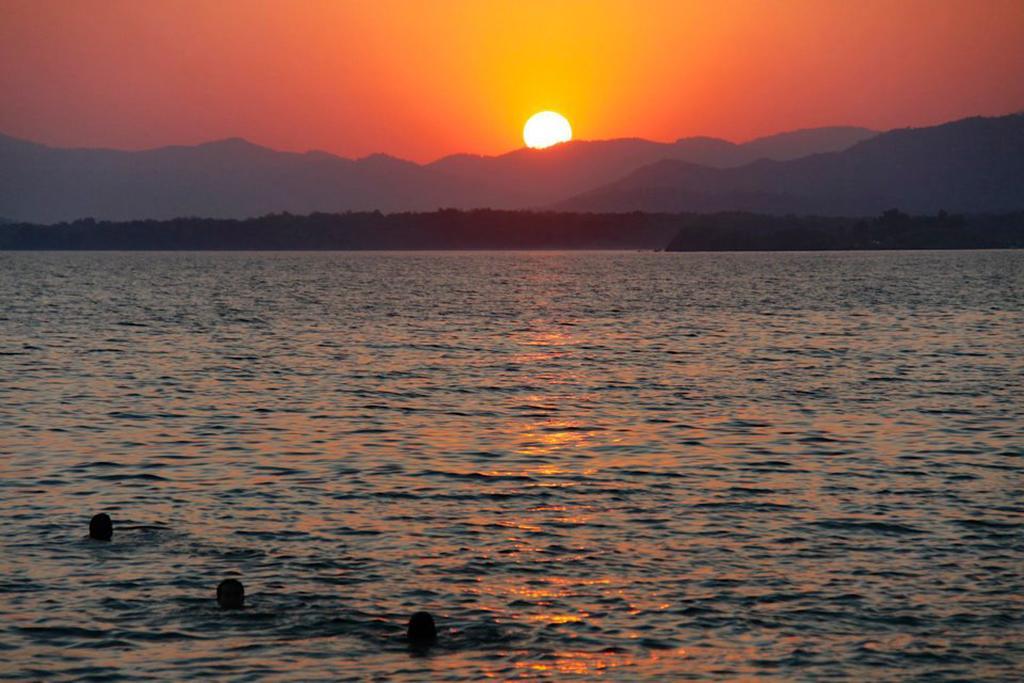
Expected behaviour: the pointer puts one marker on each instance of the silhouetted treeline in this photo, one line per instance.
(892, 230)
(486, 229)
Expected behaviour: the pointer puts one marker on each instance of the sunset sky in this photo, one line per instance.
(423, 79)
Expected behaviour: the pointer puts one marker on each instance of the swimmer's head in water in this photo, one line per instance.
(230, 594)
(100, 527)
(422, 630)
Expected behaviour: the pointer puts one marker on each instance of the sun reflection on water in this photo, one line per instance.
(583, 663)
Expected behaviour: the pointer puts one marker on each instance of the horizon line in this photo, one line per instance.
(248, 141)
(315, 150)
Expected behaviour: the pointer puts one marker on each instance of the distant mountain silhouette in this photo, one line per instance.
(236, 179)
(225, 179)
(971, 165)
(529, 178)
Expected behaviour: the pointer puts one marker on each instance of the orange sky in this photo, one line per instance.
(424, 78)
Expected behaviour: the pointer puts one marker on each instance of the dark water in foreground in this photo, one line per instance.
(630, 466)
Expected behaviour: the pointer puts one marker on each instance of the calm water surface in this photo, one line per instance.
(619, 465)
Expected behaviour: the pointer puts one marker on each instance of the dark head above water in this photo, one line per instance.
(422, 630)
(231, 594)
(100, 527)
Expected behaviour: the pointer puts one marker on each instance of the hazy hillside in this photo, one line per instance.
(972, 165)
(229, 178)
(236, 179)
(529, 178)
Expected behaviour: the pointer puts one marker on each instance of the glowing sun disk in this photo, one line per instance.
(546, 128)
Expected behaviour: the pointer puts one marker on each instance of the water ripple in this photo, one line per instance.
(628, 466)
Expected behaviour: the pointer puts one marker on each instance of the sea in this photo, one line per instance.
(586, 465)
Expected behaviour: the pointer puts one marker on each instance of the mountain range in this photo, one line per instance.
(237, 179)
(971, 165)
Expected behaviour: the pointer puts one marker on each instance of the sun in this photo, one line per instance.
(546, 128)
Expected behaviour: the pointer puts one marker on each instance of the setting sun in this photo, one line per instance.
(546, 128)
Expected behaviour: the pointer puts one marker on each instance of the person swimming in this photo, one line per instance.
(231, 594)
(100, 527)
(422, 630)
